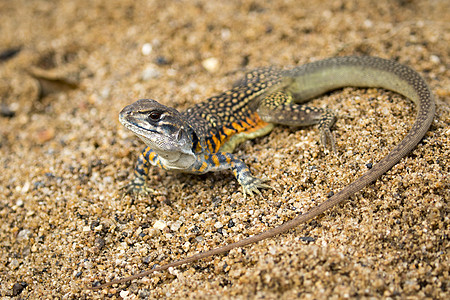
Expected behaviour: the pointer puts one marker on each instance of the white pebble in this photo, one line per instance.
(146, 49)
(435, 59)
(150, 72)
(368, 23)
(24, 234)
(26, 187)
(186, 246)
(14, 264)
(211, 64)
(124, 294)
(159, 225)
(176, 225)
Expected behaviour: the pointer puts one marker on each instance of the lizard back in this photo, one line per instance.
(232, 114)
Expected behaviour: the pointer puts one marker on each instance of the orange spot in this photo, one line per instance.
(250, 121)
(255, 122)
(237, 126)
(215, 160)
(152, 156)
(216, 142)
(228, 132)
(198, 148)
(203, 167)
(210, 147)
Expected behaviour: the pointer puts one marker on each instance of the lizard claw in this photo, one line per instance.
(253, 184)
(137, 187)
(325, 124)
(326, 135)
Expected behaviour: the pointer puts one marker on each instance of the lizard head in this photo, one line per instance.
(162, 128)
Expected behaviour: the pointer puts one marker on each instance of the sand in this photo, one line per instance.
(66, 70)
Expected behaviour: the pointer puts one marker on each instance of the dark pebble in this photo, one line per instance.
(18, 288)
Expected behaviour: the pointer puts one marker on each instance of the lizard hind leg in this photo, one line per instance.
(279, 108)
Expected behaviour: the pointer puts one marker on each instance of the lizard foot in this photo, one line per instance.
(137, 187)
(251, 185)
(326, 122)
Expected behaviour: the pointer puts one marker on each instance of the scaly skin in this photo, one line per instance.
(201, 139)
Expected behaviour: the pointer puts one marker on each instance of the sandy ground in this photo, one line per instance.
(68, 67)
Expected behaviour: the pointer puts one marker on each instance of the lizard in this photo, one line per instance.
(202, 138)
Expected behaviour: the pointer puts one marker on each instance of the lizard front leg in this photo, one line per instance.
(225, 160)
(138, 185)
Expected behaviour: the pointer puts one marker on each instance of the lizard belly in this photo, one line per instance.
(241, 137)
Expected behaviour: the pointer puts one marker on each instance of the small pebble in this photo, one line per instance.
(45, 135)
(435, 59)
(230, 223)
(161, 60)
(99, 243)
(18, 288)
(176, 225)
(186, 246)
(307, 239)
(368, 23)
(24, 234)
(124, 294)
(26, 187)
(147, 259)
(146, 49)
(211, 64)
(6, 111)
(159, 225)
(14, 264)
(150, 72)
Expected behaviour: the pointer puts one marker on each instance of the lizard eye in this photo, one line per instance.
(154, 116)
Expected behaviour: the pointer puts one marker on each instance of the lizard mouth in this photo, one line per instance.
(130, 123)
